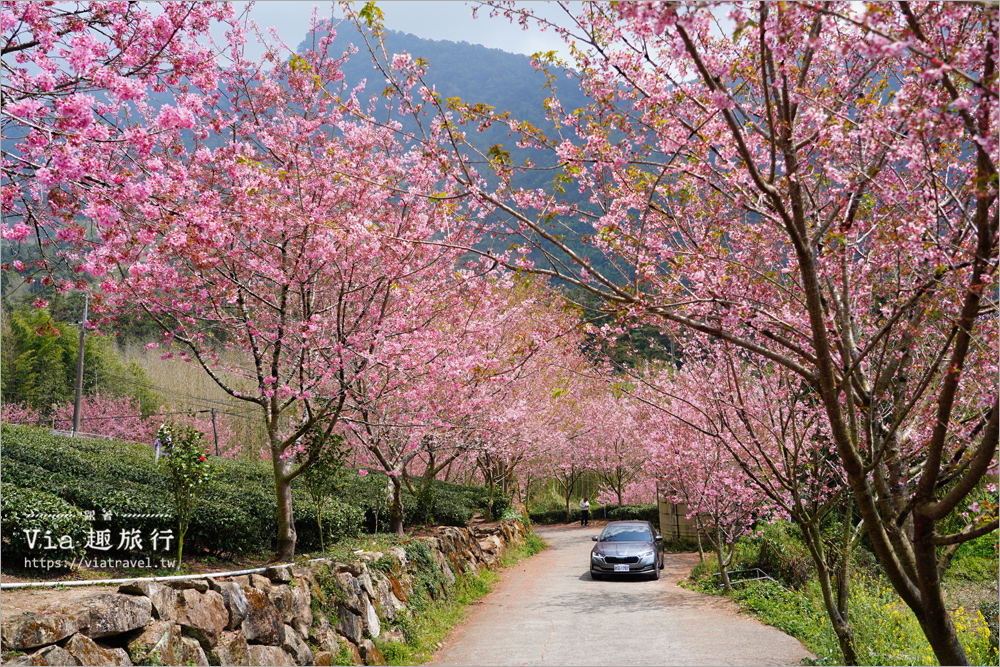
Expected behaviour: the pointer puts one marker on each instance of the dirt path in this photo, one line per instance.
(548, 611)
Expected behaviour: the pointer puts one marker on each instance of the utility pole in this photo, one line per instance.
(215, 433)
(79, 368)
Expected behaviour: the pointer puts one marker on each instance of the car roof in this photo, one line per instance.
(627, 523)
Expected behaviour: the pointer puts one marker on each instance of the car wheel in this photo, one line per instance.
(595, 576)
(656, 573)
(661, 562)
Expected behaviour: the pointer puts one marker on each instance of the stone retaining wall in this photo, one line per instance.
(304, 614)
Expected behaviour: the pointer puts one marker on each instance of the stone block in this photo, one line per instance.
(278, 575)
(366, 584)
(140, 647)
(372, 624)
(280, 596)
(32, 630)
(323, 658)
(176, 649)
(296, 646)
(87, 652)
(350, 625)
(262, 624)
(200, 585)
(202, 616)
(399, 553)
(115, 613)
(235, 601)
(50, 655)
(232, 649)
(370, 653)
(163, 598)
(269, 655)
(302, 616)
(324, 636)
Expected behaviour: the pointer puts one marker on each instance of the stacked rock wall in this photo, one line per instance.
(312, 613)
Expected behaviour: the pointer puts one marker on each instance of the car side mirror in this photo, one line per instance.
(594, 538)
(658, 538)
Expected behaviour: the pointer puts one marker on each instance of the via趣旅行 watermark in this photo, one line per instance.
(123, 539)
(149, 562)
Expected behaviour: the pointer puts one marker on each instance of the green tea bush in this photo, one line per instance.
(546, 517)
(236, 512)
(341, 520)
(25, 512)
(500, 505)
(450, 511)
(648, 513)
(976, 560)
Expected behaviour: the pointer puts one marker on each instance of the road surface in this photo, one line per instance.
(548, 611)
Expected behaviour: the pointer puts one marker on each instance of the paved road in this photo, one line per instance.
(548, 611)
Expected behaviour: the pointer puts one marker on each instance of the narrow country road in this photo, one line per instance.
(548, 611)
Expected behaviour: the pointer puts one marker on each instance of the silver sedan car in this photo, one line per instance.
(627, 547)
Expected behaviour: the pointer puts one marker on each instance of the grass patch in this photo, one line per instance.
(532, 545)
(976, 560)
(886, 631)
(434, 619)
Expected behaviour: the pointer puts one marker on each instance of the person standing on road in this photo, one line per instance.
(584, 512)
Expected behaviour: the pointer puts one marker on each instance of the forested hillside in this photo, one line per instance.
(480, 75)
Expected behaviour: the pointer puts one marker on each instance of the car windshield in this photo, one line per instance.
(626, 534)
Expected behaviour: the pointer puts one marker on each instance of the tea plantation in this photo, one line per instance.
(58, 478)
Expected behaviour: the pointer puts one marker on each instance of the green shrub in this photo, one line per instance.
(236, 514)
(547, 517)
(451, 512)
(976, 560)
(648, 513)
(340, 520)
(781, 553)
(28, 512)
(500, 505)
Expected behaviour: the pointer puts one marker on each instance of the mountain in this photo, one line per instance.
(477, 74)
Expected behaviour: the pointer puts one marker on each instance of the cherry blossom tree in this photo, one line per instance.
(815, 186)
(286, 244)
(696, 470)
(770, 426)
(621, 450)
(416, 403)
(449, 401)
(79, 83)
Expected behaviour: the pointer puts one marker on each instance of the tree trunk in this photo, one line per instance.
(836, 612)
(934, 619)
(286, 519)
(396, 507)
(723, 569)
(489, 503)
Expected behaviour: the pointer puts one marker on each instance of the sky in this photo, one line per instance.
(430, 20)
